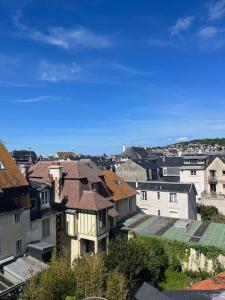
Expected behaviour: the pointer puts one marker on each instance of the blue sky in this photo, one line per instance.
(92, 75)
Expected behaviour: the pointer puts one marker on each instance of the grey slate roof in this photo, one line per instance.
(163, 186)
(146, 163)
(135, 153)
(175, 161)
(148, 292)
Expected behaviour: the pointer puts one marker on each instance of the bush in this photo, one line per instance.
(207, 212)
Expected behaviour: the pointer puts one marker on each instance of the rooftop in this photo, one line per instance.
(119, 188)
(208, 234)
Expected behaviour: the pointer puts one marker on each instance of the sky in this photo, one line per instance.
(91, 75)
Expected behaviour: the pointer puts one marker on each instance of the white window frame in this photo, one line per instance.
(19, 245)
(144, 196)
(45, 228)
(44, 198)
(173, 198)
(17, 217)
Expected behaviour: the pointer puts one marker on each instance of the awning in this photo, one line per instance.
(112, 212)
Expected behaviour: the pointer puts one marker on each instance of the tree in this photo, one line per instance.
(126, 256)
(116, 286)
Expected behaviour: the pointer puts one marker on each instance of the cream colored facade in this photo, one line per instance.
(36, 230)
(158, 203)
(84, 231)
(196, 176)
(215, 177)
(125, 207)
(14, 232)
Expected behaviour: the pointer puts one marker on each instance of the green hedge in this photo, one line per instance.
(177, 252)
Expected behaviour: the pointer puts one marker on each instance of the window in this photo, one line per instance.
(130, 204)
(223, 173)
(224, 186)
(45, 228)
(19, 246)
(173, 197)
(193, 172)
(158, 195)
(33, 203)
(102, 219)
(164, 171)
(143, 195)
(158, 212)
(17, 217)
(44, 198)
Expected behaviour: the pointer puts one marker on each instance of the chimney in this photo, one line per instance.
(55, 173)
(124, 148)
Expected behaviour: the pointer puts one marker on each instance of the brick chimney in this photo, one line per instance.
(55, 173)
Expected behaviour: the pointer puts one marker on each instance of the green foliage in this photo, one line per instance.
(136, 259)
(54, 283)
(88, 277)
(116, 286)
(210, 214)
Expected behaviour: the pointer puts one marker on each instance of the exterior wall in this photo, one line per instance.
(198, 179)
(131, 171)
(181, 209)
(36, 230)
(171, 171)
(122, 207)
(219, 167)
(11, 231)
(87, 224)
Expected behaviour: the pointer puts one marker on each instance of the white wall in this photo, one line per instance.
(11, 231)
(198, 179)
(181, 209)
(36, 230)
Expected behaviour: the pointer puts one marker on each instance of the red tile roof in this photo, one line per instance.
(93, 201)
(10, 176)
(119, 188)
(216, 282)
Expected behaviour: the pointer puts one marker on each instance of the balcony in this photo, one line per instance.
(212, 179)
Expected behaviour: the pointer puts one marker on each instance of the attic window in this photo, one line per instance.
(2, 166)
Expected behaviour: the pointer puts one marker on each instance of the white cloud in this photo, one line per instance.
(182, 24)
(182, 139)
(208, 32)
(58, 72)
(128, 70)
(216, 10)
(63, 38)
(37, 99)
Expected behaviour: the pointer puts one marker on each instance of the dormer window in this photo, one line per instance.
(44, 198)
(2, 166)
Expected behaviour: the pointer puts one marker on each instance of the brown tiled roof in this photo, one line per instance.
(71, 170)
(75, 193)
(91, 200)
(216, 282)
(10, 176)
(112, 212)
(119, 188)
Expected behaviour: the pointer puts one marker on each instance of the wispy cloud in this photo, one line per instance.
(208, 32)
(73, 38)
(216, 10)
(181, 25)
(55, 72)
(38, 99)
(129, 70)
(182, 139)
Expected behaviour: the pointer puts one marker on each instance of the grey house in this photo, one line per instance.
(138, 170)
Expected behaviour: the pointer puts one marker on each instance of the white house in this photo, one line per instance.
(167, 199)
